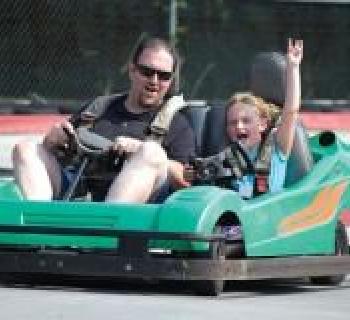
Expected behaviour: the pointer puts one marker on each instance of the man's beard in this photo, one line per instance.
(146, 104)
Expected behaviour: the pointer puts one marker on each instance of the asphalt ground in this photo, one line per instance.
(288, 300)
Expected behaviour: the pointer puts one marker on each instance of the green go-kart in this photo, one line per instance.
(203, 234)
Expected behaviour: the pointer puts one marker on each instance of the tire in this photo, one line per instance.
(229, 250)
(341, 249)
(211, 288)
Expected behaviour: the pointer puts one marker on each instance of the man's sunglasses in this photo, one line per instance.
(149, 72)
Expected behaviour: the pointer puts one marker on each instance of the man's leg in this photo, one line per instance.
(142, 174)
(36, 171)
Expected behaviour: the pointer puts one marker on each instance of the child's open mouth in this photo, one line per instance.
(242, 136)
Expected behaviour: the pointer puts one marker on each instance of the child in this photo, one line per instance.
(248, 119)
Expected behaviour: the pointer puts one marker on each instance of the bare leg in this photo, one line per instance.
(141, 175)
(36, 171)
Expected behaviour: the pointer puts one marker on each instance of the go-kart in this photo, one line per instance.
(293, 233)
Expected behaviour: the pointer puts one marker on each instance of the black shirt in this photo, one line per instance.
(179, 142)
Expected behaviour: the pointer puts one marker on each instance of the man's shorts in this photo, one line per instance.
(68, 174)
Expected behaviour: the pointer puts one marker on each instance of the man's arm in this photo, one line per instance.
(180, 147)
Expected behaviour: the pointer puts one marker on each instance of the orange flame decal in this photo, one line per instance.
(319, 211)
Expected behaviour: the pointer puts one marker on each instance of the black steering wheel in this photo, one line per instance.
(88, 143)
(85, 146)
(217, 169)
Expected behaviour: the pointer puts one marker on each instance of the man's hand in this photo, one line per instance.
(58, 135)
(126, 145)
(190, 173)
(176, 174)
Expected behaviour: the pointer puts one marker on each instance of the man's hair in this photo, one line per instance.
(155, 43)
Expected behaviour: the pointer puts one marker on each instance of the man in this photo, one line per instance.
(126, 119)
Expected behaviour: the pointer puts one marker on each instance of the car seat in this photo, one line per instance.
(267, 80)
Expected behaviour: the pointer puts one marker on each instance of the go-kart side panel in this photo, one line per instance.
(302, 219)
(73, 215)
(9, 190)
(192, 210)
(292, 223)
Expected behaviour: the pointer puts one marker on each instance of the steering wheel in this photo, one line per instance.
(86, 146)
(88, 143)
(217, 169)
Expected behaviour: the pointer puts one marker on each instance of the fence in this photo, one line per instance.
(77, 49)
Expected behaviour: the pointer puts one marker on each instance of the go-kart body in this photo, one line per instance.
(299, 220)
(75, 236)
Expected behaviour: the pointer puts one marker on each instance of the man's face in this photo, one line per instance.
(244, 125)
(151, 77)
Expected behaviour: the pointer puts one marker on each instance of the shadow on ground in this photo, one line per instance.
(233, 289)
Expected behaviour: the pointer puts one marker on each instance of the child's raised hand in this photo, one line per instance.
(295, 51)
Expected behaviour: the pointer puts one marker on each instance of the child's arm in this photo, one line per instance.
(290, 111)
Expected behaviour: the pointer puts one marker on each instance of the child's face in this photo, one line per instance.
(243, 124)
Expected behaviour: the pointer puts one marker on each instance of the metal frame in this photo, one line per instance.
(91, 264)
(132, 259)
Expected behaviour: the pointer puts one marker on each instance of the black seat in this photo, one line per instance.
(196, 115)
(300, 160)
(267, 76)
(214, 135)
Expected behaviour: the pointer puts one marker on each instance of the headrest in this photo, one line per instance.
(267, 76)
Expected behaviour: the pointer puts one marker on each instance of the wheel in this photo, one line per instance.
(341, 249)
(217, 251)
(211, 288)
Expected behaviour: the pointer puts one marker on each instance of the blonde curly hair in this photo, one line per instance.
(265, 110)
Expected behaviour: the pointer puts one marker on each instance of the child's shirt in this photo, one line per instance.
(277, 175)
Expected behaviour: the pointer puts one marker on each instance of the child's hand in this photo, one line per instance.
(294, 51)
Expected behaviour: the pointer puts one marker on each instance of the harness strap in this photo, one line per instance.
(157, 129)
(97, 108)
(237, 159)
(263, 161)
(160, 125)
(240, 164)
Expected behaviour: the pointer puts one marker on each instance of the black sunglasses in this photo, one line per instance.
(149, 72)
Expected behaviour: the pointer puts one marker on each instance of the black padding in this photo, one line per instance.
(196, 116)
(327, 138)
(300, 160)
(214, 134)
(267, 76)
